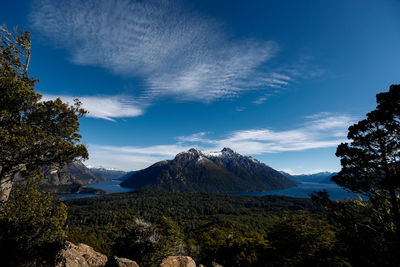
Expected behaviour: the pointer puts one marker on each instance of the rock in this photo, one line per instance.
(79, 255)
(121, 262)
(214, 264)
(178, 261)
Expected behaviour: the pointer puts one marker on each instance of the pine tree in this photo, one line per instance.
(33, 133)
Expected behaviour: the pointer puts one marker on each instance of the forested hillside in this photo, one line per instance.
(207, 227)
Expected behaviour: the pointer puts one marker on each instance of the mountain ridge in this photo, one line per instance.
(70, 178)
(319, 177)
(219, 172)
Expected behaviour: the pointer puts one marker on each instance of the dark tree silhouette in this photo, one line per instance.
(370, 162)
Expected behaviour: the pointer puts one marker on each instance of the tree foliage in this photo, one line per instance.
(370, 162)
(230, 230)
(33, 132)
(369, 229)
(303, 240)
(149, 243)
(31, 226)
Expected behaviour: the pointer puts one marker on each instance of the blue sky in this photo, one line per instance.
(277, 80)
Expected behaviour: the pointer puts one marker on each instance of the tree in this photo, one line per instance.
(31, 224)
(365, 230)
(150, 243)
(303, 240)
(33, 133)
(370, 163)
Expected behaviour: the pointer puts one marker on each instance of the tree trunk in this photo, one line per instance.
(5, 187)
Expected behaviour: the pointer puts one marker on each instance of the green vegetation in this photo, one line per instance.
(231, 230)
(370, 163)
(71, 189)
(148, 244)
(370, 231)
(33, 133)
(31, 226)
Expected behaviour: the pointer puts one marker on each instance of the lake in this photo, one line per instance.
(302, 190)
(109, 186)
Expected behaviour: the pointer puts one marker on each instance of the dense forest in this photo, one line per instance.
(149, 225)
(231, 230)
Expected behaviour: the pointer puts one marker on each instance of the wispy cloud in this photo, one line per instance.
(318, 131)
(260, 100)
(196, 137)
(104, 107)
(131, 158)
(157, 150)
(174, 50)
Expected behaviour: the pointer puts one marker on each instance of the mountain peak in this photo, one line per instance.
(191, 154)
(194, 151)
(227, 150)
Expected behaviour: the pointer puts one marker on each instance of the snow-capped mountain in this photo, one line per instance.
(224, 171)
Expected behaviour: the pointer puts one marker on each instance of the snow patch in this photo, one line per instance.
(215, 154)
(201, 158)
(253, 160)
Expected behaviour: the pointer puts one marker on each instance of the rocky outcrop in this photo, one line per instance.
(178, 261)
(79, 256)
(82, 255)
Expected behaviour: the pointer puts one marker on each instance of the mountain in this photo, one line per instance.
(219, 172)
(321, 177)
(127, 175)
(290, 177)
(109, 174)
(83, 173)
(71, 178)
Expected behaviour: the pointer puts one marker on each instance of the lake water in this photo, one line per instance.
(302, 190)
(109, 186)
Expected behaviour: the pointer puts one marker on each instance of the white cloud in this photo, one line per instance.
(104, 107)
(157, 150)
(196, 137)
(260, 100)
(174, 50)
(120, 161)
(130, 158)
(318, 131)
